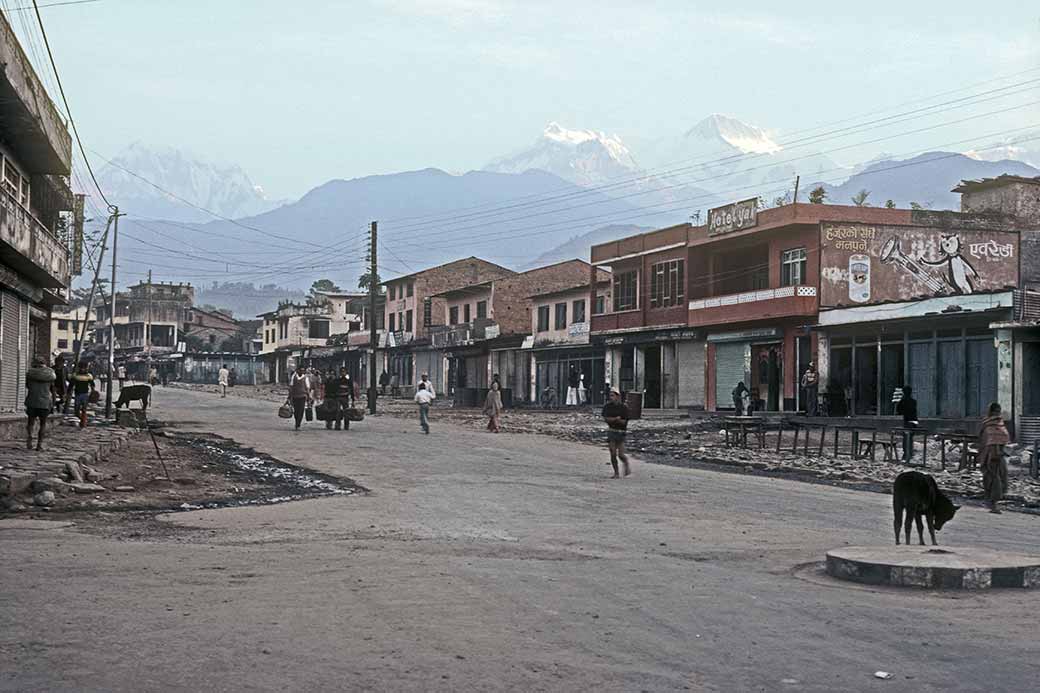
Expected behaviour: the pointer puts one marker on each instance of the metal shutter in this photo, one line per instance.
(12, 371)
(729, 370)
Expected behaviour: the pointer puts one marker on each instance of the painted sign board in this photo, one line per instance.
(863, 264)
(733, 217)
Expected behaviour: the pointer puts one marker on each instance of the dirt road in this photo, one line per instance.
(484, 562)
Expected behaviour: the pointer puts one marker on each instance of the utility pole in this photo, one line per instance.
(373, 293)
(90, 299)
(148, 324)
(797, 179)
(112, 313)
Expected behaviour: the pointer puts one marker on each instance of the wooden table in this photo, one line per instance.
(746, 424)
(855, 450)
(904, 436)
(961, 439)
(798, 426)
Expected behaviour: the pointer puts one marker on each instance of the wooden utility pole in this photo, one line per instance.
(797, 179)
(373, 294)
(112, 313)
(90, 299)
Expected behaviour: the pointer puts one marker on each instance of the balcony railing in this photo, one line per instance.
(762, 304)
(753, 297)
(461, 334)
(38, 253)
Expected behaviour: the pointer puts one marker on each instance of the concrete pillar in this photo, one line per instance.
(1005, 372)
(638, 369)
(823, 359)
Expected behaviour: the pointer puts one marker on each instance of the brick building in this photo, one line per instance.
(35, 163)
(211, 327)
(293, 329)
(67, 328)
(413, 305)
(484, 325)
(149, 318)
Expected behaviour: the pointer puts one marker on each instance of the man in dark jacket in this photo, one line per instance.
(907, 406)
(339, 395)
(615, 414)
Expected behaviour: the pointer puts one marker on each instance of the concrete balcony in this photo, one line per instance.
(763, 304)
(32, 127)
(29, 248)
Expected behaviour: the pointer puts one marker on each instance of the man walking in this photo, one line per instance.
(811, 385)
(82, 385)
(339, 393)
(424, 397)
(61, 383)
(121, 376)
(384, 380)
(907, 406)
(39, 381)
(615, 414)
(424, 382)
(222, 379)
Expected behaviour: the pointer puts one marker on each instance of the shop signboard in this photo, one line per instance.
(865, 264)
(733, 217)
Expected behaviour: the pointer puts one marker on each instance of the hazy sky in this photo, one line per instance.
(299, 91)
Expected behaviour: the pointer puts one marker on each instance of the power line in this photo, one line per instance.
(68, 110)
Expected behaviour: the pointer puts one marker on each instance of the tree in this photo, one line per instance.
(889, 204)
(365, 280)
(860, 198)
(917, 206)
(817, 195)
(323, 285)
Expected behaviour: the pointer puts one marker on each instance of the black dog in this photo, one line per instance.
(918, 495)
(133, 393)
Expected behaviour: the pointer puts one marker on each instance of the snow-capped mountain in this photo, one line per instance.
(583, 157)
(1024, 147)
(732, 158)
(223, 188)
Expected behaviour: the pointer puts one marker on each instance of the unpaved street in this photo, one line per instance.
(479, 562)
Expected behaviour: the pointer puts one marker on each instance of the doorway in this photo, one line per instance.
(766, 376)
(652, 379)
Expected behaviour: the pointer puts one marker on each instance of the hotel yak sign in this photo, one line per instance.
(868, 263)
(733, 217)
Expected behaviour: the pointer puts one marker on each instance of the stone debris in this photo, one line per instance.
(44, 499)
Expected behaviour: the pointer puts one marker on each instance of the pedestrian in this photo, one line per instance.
(811, 386)
(908, 408)
(741, 395)
(573, 380)
(493, 407)
(424, 380)
(164, 374)
(232, 378)
(39, 383)
(83, 385)
(121, 376)
(993, 436)
(615, 414)
(384, 380)
(339, 395)
(61, 382)
(424, 397)
(301, 393)
(153, 376)
(222, 380)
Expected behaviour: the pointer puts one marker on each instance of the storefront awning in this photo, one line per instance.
(931, 307)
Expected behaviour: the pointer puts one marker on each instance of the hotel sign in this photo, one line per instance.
(733, 217)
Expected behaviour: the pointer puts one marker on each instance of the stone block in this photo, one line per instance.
(13, 483)
(44, 499)
(87, 488)
(50, 483)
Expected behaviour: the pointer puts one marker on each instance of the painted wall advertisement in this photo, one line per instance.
(868, 263)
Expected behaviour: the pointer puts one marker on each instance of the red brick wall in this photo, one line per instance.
(511, 302)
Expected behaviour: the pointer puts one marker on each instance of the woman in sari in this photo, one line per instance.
(993, 436)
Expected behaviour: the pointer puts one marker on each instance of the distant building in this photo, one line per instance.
(291, 330)
(67, 329)
(212, 328)
(149, 319)
(35, 163)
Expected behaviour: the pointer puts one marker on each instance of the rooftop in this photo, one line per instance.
(988, 183)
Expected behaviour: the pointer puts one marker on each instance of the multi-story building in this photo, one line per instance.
(67, 326)
(36, 153)
(212, 328)
(149, 318)
(413, 305)
(291, 330)
(559, 342)
(484, 326)
(879, 298)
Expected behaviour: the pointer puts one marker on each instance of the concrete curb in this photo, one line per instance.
(969, 568)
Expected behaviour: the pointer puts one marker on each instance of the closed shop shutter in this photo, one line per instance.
(12, 371)
(729, 370)
(982, 376)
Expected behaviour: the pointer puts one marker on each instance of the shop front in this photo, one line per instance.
(767, 360)
(666, 366)
(553, 367)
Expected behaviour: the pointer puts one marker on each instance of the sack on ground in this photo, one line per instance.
(355, 414)
(285, 411)
(308, 413)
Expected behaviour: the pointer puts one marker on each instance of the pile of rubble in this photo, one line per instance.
(65, 466)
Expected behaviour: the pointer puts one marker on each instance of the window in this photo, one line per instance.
(318, 329)
(453, 315)
(411, 289)
(666, 283)
(400, 321)
(25, 193)
(393, 324)
(543, 318)
(481, 310)
(578, 311)
(465, 313)
(561, 316)
(63, 344)
(392, 287)
(63, 324)
(12, 180)
(625, 292)
(408, 321)
(792, 267)
(213, 339)
(600, 306)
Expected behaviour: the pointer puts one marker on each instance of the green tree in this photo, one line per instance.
(365, 280)
(323, 285)
(916, 206)
(817, 195)
(889, 204)
(860, 198)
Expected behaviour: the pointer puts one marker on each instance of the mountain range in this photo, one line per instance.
(549, 201)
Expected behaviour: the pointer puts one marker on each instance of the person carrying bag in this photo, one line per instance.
(301, 395)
